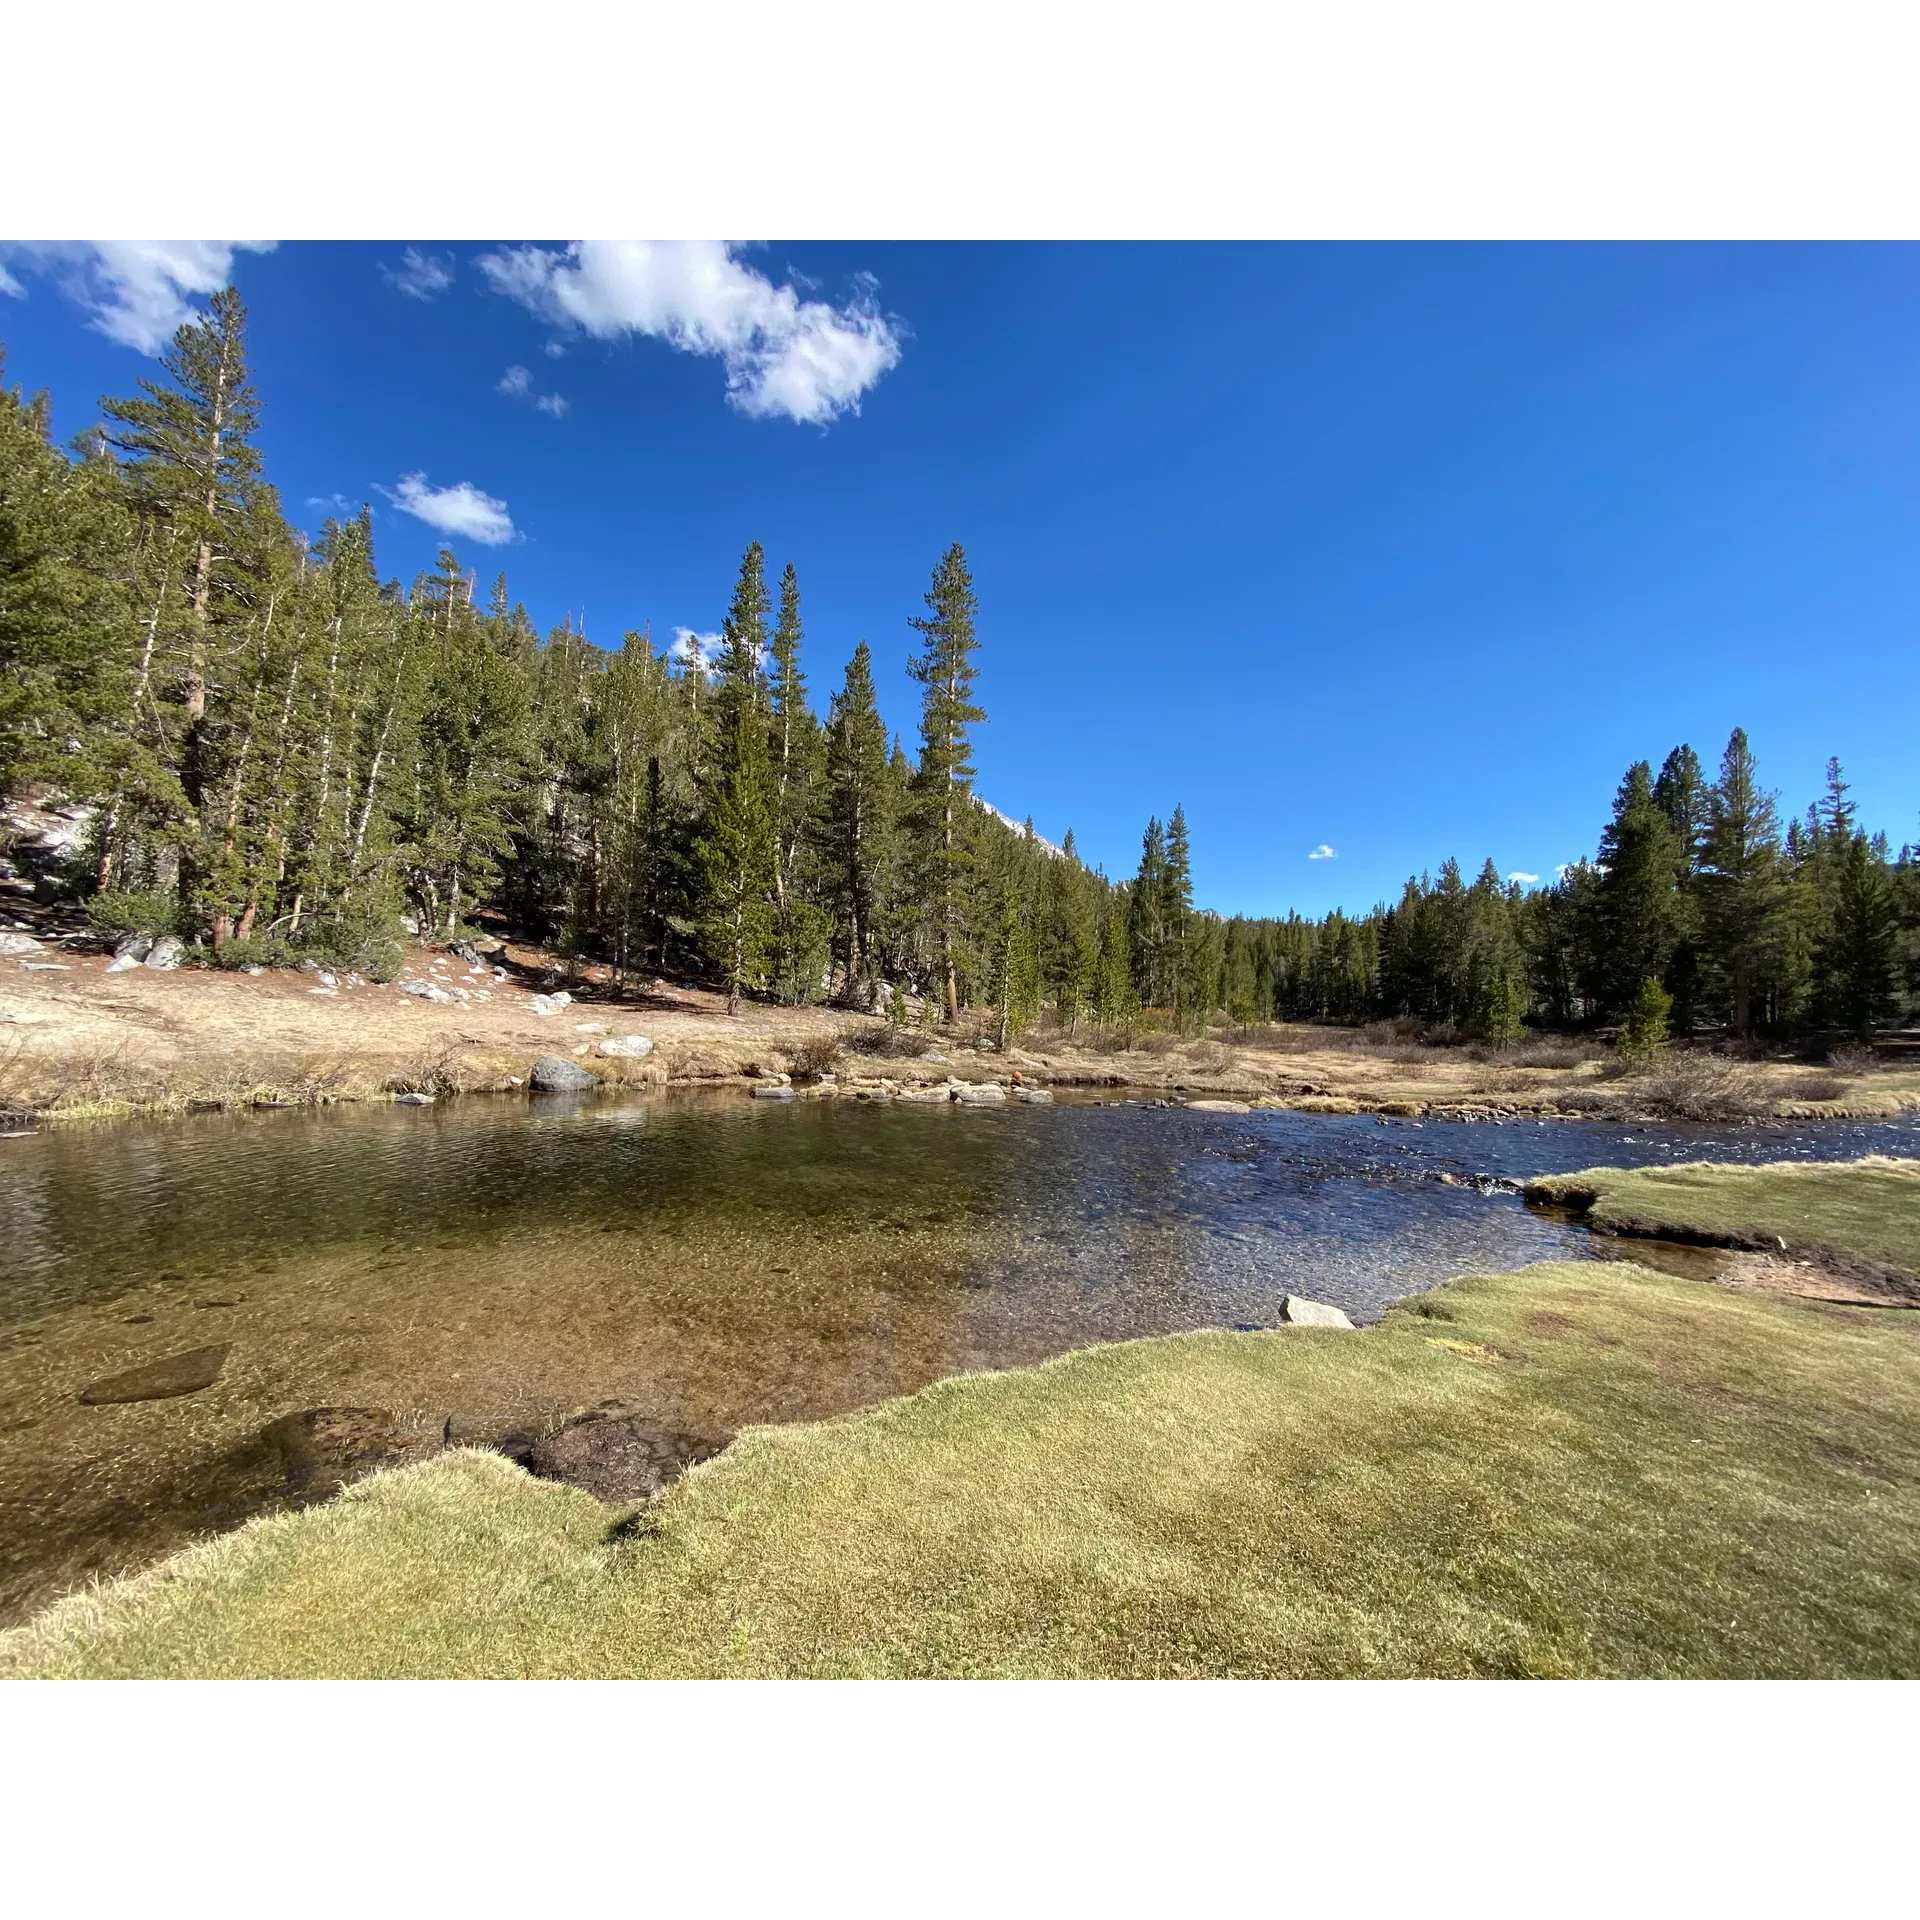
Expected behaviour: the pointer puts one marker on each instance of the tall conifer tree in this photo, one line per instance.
(944, 814)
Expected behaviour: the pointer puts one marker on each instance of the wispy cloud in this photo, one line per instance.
(803, 360)
(691, 649)
(1323, 852)
(334, 503)
(517, 384)
(138, 292)
(554, 350)
(1525, 879)
(421, 276)
(461, 509)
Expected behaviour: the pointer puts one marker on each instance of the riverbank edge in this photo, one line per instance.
(265, 1093)
(1589, 1197)
(1446, 1320)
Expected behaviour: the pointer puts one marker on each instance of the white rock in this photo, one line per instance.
(1312, 1313)
(122, 963)
(18, 943)
(166, 953)
(988, 1094)
(765, 1092)
(426, 990)
(627, 1046)
(590, 1026)
(1034, 1096)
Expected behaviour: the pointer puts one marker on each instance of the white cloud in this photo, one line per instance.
(333, 503)
(1525, 879)
(460, 509)
(691, 649)
(1563, 869)
(423, 276)
(554, 350)
(803, 359)
(517, 384)
(9, 285)
(136, 290)
(1323, 852)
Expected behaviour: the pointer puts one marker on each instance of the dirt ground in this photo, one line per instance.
(76, 1039)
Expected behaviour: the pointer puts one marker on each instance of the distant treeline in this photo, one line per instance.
(285, 755)
(1695, 887)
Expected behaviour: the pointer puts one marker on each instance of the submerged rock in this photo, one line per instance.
(1312, 1313)
(772, 1090)
(618, 1456)
(320, 1448)
(159, 1379)
(555, 1073)
(1034, 1096)
(413, 1099)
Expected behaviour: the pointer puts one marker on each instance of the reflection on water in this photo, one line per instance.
(706, 1261)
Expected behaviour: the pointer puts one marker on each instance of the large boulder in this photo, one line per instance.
(425, 990)
(555, 1073)
(627, 1046)
(987, 1094)
(164, 955)
(1312, 1313)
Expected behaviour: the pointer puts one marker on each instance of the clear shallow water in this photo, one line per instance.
(703, 1260)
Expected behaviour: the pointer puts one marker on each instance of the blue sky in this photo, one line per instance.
(1393, 551)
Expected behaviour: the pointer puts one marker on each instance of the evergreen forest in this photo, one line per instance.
(283, 755)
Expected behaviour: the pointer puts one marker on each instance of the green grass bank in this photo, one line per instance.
(1852, 1212)
(1578, 1469)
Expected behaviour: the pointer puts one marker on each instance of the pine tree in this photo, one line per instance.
(1114, 1002)
(943, 819)
(1645, 1032)
(193, 470)
(1741, 882)
(738, 850)
(1147, 933)
(1076, 968)
(1638, 901)
(65, 560)
(857, 822)
(1862, 949)
(1184, 984)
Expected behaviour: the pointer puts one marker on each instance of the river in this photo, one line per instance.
(485, 1267)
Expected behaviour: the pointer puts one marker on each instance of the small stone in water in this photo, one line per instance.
(159, 1379)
